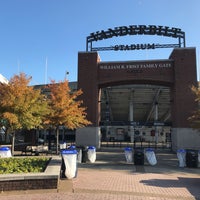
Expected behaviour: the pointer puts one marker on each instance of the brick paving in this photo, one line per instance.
(146, 185)
(110, 177)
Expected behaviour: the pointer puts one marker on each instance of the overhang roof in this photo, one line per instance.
(115, 104)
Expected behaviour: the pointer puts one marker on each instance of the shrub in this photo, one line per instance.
(23, 165)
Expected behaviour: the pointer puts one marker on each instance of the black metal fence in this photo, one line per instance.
(150, 144)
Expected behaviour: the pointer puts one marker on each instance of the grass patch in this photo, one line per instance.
(23, 165)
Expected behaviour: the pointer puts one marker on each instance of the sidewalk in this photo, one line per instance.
(110, 177)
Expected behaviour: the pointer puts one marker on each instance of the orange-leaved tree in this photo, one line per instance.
(195, 118)
(21, 106)
(66, 109)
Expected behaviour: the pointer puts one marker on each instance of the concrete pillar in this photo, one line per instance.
(131, 114)
(155, 120)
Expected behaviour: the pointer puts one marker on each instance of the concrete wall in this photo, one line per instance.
(88, 136)
(185, 138)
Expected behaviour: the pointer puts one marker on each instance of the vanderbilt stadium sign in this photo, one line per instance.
(136, 30)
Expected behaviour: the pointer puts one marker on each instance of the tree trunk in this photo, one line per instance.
(13, 143)
(57, 139)
(49, 142)
(7, 138)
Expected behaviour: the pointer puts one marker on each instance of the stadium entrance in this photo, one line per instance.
(146, 101)
(139, 114)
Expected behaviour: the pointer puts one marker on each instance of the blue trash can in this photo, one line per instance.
(91, 154)
(72, 147)
(181, 154)
(5, 152)
(79, 152)
(151, 157)
(69, 163)
(128, 154)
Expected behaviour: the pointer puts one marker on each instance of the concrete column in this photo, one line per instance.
(155, 120)
(131, 114)
(131, 110)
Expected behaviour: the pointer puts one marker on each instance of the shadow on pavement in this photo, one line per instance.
(191, 184)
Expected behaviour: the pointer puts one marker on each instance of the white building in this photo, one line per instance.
(3, 79)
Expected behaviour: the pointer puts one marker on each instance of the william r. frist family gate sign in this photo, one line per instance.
(136, 30)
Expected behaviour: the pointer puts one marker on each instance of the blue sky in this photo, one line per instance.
(42, 38)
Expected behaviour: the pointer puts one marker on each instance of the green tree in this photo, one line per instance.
(21, 107)
(66, 109)
(195, 118)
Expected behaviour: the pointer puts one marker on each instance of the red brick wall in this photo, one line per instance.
(32, 184)
(179, 77)
(185, 75)
(87, 81)
(140, 74)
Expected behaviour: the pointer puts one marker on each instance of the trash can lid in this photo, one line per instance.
(127, 149)
(91, 147)
(181, 150)
(72, 147)
(4, 148)
(149, 149)
(69, 151)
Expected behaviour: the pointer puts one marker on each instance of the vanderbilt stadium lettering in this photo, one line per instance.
(134, 47)
(136, 30)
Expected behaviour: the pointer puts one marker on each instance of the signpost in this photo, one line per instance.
(135, 30)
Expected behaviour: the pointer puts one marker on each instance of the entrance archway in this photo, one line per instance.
(178, 73)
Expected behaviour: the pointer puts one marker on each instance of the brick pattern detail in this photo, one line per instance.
(185, 75)
(88, 82)
(33, 184)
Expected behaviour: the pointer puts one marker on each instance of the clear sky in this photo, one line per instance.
(42, 38)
